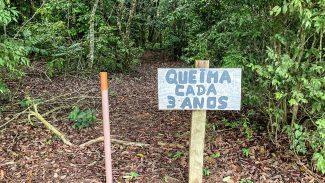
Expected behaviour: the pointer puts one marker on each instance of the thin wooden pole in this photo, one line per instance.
(107, 136)
(197, 138)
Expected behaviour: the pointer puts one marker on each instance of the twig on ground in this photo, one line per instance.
(57, 97)
(101, 139)
(317, 177)
(55, 109)
(7, 163)
(93, 141)
(128, 143)
(48, 125)
(180, 146)
(51, 127)
(15, 117)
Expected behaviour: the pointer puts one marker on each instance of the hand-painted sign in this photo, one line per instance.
(199, 89)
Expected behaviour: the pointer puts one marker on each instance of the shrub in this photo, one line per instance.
(13, 55)
(318, 145)
(82, 119)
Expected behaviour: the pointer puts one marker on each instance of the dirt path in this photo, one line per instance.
(31, 154)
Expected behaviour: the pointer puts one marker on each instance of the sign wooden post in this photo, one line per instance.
(197, 138)
(199, 89)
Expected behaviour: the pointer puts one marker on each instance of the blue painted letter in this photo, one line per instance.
(225, 77)
(171, 76)
(186, 103)
(200, 90)
(192, 76)
(197, 104)
(211, 102)
(182, 77)
(211, 75)
(212, 89)
(190, 90)
(177, 92)
(223, 102)
(171, 102)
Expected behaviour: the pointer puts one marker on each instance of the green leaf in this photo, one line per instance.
(293, 102)
(285, 8)
(276, 10)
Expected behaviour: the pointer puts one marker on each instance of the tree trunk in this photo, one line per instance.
(92, 34)
(5, 30)
(128, 24)
(125, 33)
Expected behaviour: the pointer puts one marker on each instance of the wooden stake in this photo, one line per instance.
(197, 138)
(107, 133)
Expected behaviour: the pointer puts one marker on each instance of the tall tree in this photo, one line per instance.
(92, 34)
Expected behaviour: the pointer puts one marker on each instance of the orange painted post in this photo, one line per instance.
(107, 135)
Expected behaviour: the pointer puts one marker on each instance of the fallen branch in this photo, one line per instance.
(54, 110)
(51, 127)
(15, 117)
(99, 139)
(7, 163)
(127, 143)
(139, 144)
(48, 125)
(180, 146)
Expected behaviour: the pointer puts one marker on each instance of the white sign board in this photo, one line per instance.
(199, 89)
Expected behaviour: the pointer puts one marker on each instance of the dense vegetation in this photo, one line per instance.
(279, 44)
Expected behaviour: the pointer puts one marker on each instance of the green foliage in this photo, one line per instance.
(278, 44)
(246, 152)
(3, 89)
(177, 155)
(280, 50)
(299, 137)
(243, 123)
(7, 13)
(319, 162)
(212, 126)
(131, 176)
(318, 137)
(166, 178)
(82, 119)
(215, 155)
(13, 56)
(112, 93)
(52, 40)
(247, 181)
(25, 103)
(247, 128)
(112, 53)
(318, 145)
(232, 124)
(60, 35)
(206, 172)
